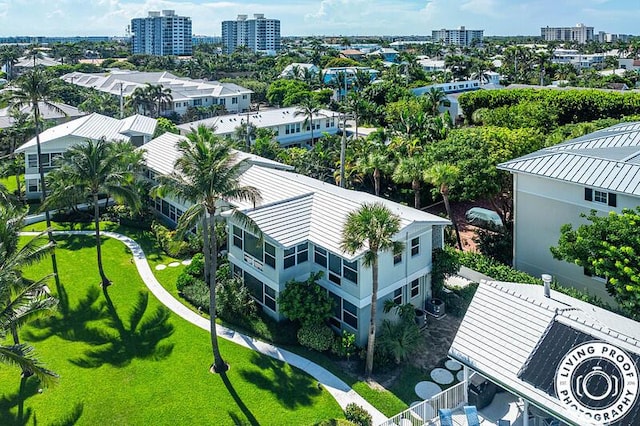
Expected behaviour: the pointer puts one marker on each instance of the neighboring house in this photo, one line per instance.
(301, 220)
(60, 114)
(290, 129)
(185, 91)
(599, 171)
(387, 54)
(577, 59)
(629, 64)
(290, 70)
(562, 358)
(432, 65)
(136, 129)
(355, 54)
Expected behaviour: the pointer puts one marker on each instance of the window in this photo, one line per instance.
(197, 102)
(33, 185)
(397, 258)
(320, 256)
(339, 268)
(397, 296)
(237, 237)
(269, 297)
(415, 246)
(344, 312)
(234, 101)
(350, 271)
(415, 288)
(608, 198)
(270, 255)
(264, 294)
(32, 160)
(296, 255)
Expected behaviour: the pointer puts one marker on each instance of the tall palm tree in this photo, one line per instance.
(97, 168)
(442, 176)
(159, 95)
(435, 98)
(371, 229)
(308, 107)
(376, 160)
(140, 99)
(410, 170)
(9, 56)
(33, 89)
(21, 301)
(207, 175)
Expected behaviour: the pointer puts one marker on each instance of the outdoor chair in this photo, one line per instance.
(445, 416)
(472, 415)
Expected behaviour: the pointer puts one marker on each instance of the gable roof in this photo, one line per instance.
(162, 152)
(297, 208)
(46, 112)
(182, 89)
(504, 328)
(94, 127)
(608, 159)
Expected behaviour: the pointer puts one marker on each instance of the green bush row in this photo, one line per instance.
(569, 106)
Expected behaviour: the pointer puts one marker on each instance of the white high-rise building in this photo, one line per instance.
(459, 37)
(162, 33)
(580, 33)
(258, 34)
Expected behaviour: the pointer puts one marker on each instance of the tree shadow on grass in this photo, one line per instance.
(118, 344)
(250, 418)
(71, 322)
(12, 411)
(76, 242)
(292, 390)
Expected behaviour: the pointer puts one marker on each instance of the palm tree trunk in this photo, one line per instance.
(371, 342)
(211, 253)
(455, 225)
(376, 181)
(96, 219)
(43, 188)
(415, 185)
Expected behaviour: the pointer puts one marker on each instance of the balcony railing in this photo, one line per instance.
(426, 412)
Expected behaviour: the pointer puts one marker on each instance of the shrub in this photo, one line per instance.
(358, 415)
(344, 345)
(196, 268)
(316, 336)
(335, 422)
(399, 340)
(306, 301)
(234, 301)
(197, 294)
(166, 239)
(184, 280)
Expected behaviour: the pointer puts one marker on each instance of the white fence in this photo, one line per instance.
(426, 412)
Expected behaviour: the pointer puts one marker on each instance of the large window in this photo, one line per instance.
(338, 267)
(264, 294)
(296, 255)
(256, 252)
(344, 312)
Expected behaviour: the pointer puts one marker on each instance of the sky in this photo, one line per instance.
(324, 17)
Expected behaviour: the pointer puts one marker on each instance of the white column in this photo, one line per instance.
(466, 383)
(525, 413)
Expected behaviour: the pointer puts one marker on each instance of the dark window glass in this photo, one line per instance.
(254, 285)
(270, 255)
(337, 305)
(320, 256)
(253, 245)
(303, 253)
(335, 279)
(289, 257)
(415, 246)
(397, 296)
(415, 288)
(237, 237)
(335, 264)
(397, 258)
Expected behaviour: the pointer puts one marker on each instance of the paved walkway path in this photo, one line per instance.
(342, 393)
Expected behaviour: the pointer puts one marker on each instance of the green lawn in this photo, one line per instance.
(10, 183)
(113, 372)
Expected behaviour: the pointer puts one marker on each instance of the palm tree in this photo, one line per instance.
(371, 229)
(376, 160)
(21, 301)
(409, 170)
(435, 98)
(9, 56)
(308, 107)
(207, 175)
(442, 176)
(159, 95)
(32, 89)
(140, 99)
(93, 168)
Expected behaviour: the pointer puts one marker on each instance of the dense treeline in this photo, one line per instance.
(558, 107)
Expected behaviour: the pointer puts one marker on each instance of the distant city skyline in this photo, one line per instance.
(323, 17)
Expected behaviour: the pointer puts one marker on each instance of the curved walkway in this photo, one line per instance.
(342, 393)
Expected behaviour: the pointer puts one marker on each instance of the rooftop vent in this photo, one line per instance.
(546, 279)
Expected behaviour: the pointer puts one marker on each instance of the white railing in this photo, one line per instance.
(426, 412)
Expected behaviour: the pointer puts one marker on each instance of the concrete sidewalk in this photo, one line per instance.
(342, 393)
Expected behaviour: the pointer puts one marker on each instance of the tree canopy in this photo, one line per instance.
(609, 247)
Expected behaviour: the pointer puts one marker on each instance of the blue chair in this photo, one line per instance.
(472, 415)
(445, 416)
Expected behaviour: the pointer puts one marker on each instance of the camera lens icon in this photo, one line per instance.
(589, 385)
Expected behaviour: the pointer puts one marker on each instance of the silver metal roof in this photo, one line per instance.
(505, 322)
(94, 127)
(46, 112)
(608, 159)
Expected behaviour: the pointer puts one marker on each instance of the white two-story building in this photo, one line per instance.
(301, 220)
(136, 129)
(599, 171)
